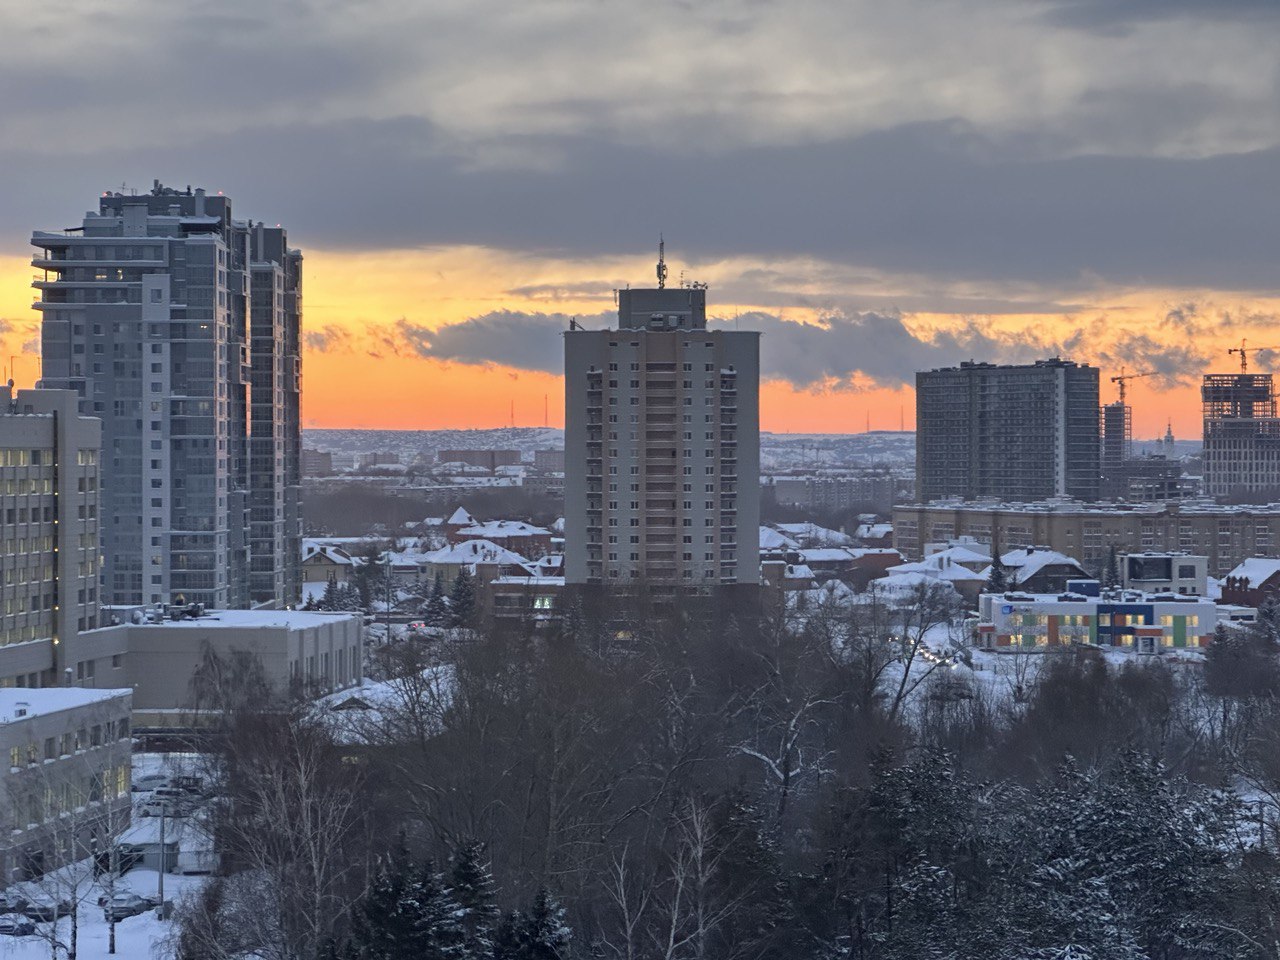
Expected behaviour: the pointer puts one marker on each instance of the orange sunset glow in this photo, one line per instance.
(367, 377)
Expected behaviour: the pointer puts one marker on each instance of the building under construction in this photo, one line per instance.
(1142, 479)
(1241, 435)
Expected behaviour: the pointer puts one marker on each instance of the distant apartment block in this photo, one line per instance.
(1012, 432)
(489, 460)
(877, 490)
(178, 326)
(1226, 535)
(662, 447)
(1241, 435)
(548, 461)
(317, 463)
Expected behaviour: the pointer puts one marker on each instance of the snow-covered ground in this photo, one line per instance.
(143, 937)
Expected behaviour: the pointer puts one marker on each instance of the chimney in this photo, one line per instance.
(20, 708)
(199, 201)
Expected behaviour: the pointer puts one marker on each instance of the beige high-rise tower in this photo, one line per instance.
(662, 447)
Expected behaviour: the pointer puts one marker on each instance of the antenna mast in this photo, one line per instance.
(662, 264)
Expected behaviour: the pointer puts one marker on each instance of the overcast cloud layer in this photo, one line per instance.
(1070, 143)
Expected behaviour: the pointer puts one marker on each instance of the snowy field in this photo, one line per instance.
(141, 937)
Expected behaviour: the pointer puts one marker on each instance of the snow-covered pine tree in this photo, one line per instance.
(462, 599)
(471, 887)
(436, 931)
(382, 927)
(540, 934)
(329, 600)
(436, 612)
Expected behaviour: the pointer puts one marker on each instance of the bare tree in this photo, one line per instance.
(77, 799)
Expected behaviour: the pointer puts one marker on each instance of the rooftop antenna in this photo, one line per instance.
(662, 263)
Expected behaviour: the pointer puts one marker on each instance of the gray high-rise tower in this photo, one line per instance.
(1013, 432)
(662, 447)
(178, 326)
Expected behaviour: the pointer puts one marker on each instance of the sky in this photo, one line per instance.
(878, 187)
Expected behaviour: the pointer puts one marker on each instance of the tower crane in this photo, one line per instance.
(1244, 352)
(1123, 377)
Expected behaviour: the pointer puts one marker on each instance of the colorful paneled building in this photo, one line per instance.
(1139, 623)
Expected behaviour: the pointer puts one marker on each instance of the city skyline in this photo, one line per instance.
(845, 164)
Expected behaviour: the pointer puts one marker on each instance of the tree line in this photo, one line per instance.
(774, 786)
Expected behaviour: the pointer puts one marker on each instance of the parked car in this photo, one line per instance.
(124, 905)
(12, 902)
(13, 925)
(151, 781)
(418, 625)
(45, 909)
(164, 808)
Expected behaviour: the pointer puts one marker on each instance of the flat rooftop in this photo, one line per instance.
(40, 702)
(212, 619)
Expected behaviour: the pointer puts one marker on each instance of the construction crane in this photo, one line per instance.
(1244, 352)
(1123, 377)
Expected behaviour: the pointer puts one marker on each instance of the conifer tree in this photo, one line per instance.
(329, 600)
(437, 608)
(471, 887)
(383, 924)
(540, 934)
(462, 599)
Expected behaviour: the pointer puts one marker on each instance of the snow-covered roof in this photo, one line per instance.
(1027, 563)
(900, 584)
(501, 529)
(376, 707)
(460, 518)
(874, 531)
(812, 533)
(45, 700)
(286, 619)
(797, 571)
(474, 551)
(939, 567)
(1256, 571)
(771, 539)
(826, 555)
(550, 565)
(316, 550)
(964, 553)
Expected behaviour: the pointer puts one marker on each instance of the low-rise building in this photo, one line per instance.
(1224, 533)
(1253, 583)
(534, 600)
(323, 562)
(1019, 622)
(68, 780)
(1040, 570)
(296, 649)
(516, 535)
(1155, 572)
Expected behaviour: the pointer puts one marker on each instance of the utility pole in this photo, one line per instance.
(164, 856)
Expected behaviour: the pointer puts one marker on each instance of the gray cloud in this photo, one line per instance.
(830, 354)
(915, 199)
(881, 347)
(329, 338)
(1119, 16)
(950, 141)
(1175, 364)
(526, 341)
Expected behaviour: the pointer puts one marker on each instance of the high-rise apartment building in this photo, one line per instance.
(662, 447)
(51, 481)
(1241, 435)
(1013, 432)
(178, 327)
